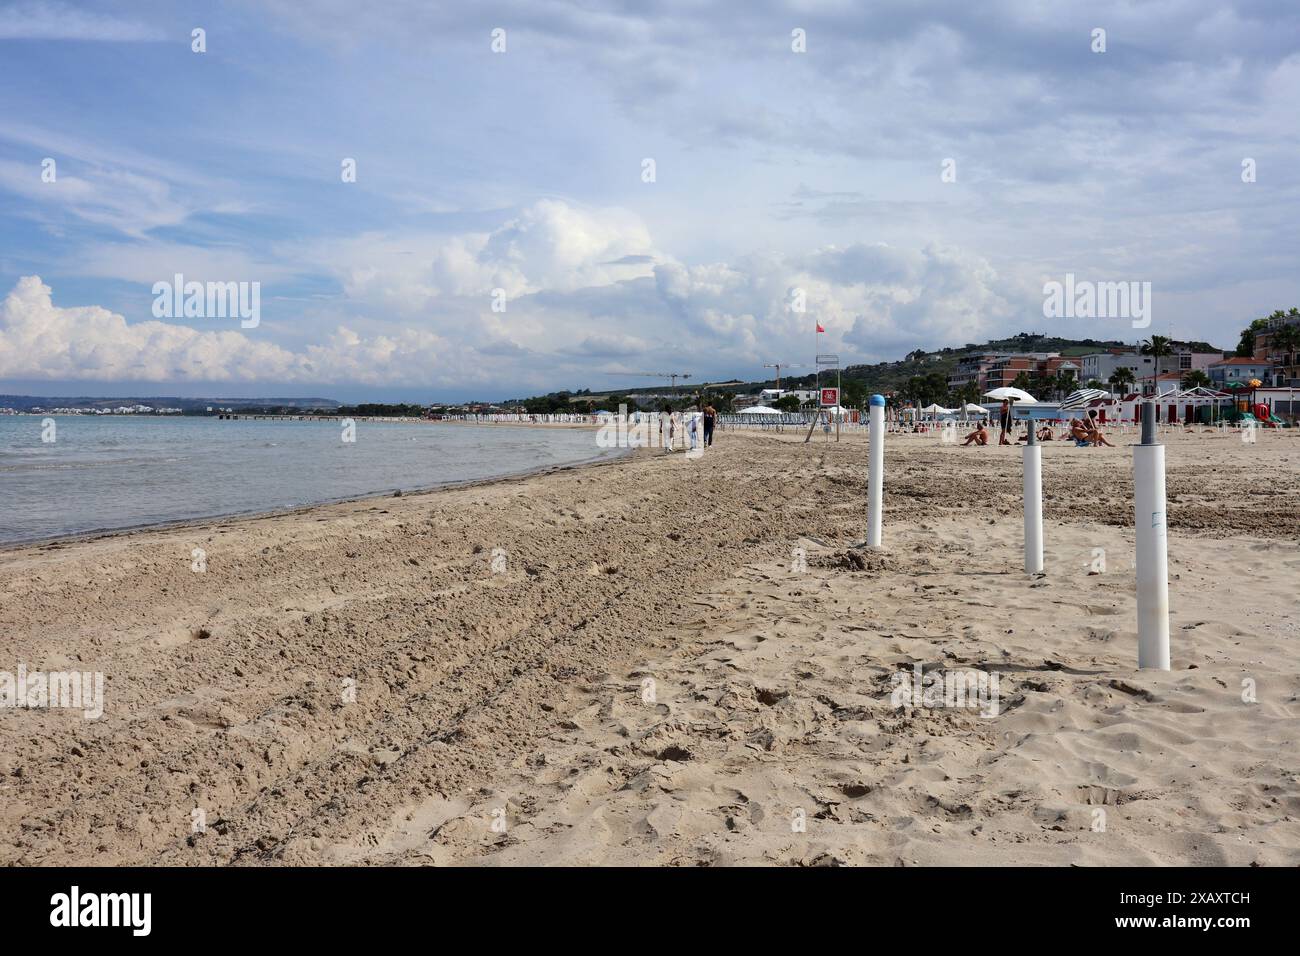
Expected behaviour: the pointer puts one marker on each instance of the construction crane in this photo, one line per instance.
(780, 365)
(671, 376)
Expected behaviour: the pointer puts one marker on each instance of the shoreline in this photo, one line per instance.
(606, 458)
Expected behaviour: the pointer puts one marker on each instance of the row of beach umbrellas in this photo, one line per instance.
(1076, 399)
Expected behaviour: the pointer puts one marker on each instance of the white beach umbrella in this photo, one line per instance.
(760, 410)
(1012, 394)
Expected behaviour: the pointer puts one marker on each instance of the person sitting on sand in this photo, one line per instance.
(1045, 433)
(1094, 431)
(980, 436)
(1086, 432)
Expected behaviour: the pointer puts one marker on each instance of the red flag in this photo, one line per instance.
(819, 327)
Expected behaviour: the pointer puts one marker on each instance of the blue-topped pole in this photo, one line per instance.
(875, 470)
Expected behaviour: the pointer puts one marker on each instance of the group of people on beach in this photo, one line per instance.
(698, 417)
(1082, 431)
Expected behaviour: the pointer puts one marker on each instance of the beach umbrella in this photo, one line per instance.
(1011, 394)
(760, 410)
(1080, 398)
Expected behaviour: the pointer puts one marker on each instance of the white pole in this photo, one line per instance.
(1152, 563)
(1033, 503)
(875, 470)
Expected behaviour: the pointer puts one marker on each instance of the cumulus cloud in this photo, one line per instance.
(584, 302)
(40, 340)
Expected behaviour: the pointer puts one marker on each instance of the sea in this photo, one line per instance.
(103, 473)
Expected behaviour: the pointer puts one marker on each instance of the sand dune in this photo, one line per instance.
(678, 663)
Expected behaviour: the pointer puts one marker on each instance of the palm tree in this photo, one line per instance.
(1063, 383)
(1121, 378)
(1157, 347)
(1195, 379)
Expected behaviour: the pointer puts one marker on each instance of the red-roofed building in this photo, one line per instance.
(1241, 369)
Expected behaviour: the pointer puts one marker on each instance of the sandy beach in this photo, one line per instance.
(663, 661)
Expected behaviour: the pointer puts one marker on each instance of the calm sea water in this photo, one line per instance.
(121, 472)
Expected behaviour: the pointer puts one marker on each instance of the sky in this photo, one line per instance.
(562, 195)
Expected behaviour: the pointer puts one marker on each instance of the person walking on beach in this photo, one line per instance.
(1004, 421)
(710, 416)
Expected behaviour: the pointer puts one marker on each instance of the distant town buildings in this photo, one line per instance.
(990, 370)
(119, 410)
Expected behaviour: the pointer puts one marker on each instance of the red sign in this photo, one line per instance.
(830, 397)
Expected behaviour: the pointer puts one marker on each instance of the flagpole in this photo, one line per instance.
(817, 369)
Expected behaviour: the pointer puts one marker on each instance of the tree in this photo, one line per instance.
(1122, 378)
(1021, 382)
(966, 394)
(724, 402)
(1286, 339)
(1158, 346)
(788, 403)
(1195, 379)
(1061, 384)
(925, 389)
(1246, 344)
(853, 394)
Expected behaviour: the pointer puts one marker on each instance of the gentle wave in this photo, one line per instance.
(121, 472)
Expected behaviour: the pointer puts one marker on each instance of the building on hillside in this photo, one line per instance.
(1241, 369)
(974, 369)
(1038, 367)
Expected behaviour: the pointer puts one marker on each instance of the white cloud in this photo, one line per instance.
(588, 294)
(39, 340)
